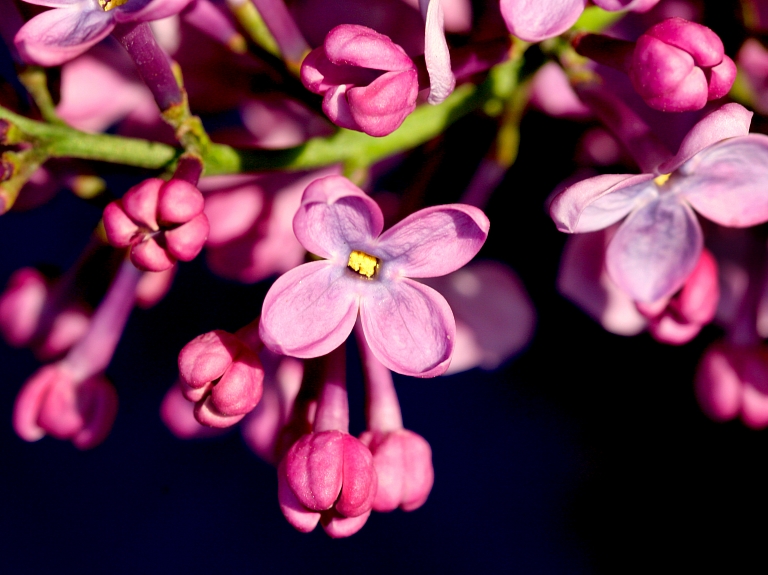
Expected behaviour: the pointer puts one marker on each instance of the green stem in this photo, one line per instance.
(355, 150)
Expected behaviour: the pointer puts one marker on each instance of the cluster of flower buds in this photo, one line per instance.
(366, 253)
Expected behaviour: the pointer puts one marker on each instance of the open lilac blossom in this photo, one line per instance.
(73, 26)
(719, 170)
(222, 376)
(542, 19)
(732, 381)
(160, 221)
(368, 82)
(311, 310)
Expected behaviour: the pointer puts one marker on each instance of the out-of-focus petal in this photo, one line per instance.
(727, 121)
(58, 35)
(310, 310)
(433, 242)
(596, 203)
(727, 183)
(655, 250)
(535, 20)
(583, 280)
(335, 217)
(634, 5)
(409, 327)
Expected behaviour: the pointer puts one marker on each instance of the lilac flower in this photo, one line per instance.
(719, 170)
(535, 21)
(311, 310)
(73, 26)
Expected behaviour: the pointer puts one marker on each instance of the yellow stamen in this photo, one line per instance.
(364, 264)
(661, 180)
(107, 5)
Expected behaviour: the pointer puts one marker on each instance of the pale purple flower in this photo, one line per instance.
(720, 171)
(73, 26)
(312, 309)
(536, 20)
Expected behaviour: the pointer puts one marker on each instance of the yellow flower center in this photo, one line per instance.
(363, 263)
(107, 5)
(661, 180)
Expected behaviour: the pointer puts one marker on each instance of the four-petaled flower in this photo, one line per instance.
(720, 170)
(73, 26)
(311, 310)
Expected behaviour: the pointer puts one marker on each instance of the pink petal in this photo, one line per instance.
(355, 45)
(635, 5)
(297, 515)
(728, 121)
(535, 20)
(409, 327)
(310, 310)
(58, 35)
(314, 468)
(186, 241)
(207, 357)
(718, 386)
(30, 400)
(596, 203)
(177, 415)
(148, 256)
(721, 78)
(336, 217)
(700, 42)
(119, 228)
(434, 241)
(436, 54)
(97, 399)
(726, 183)
(583, 280)
(358, 488)
(380, 107)
(655, 250)
(178, 202)
(338, 526)
(336, 107)
(140, 202)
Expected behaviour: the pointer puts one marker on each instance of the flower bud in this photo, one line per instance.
(403, 462)
(53, 402)
(222, 376)
(732, 381)
(160, 221)
(328, 474)
(368, 82)
(678, 66)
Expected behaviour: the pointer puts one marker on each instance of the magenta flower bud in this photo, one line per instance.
(160, 221)
(678, 66)
(327, 472)
(222, 376)
(679, 319)
(732, 381)
(21, 305)
(53, 402)
(368, 82)
(403, 462)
